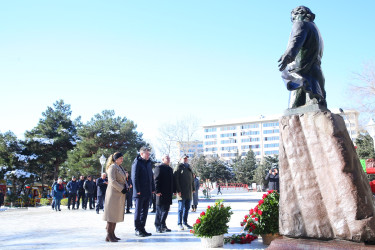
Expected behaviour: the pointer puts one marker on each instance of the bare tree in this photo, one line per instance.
(178, 136)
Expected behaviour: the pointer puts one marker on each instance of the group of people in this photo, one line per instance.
(82, 190)
(163, 182)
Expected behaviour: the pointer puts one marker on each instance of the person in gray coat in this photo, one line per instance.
(184, 182)
(195, 194)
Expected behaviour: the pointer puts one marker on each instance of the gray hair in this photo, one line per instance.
(144, 149)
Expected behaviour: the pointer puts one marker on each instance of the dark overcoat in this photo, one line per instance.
(163, 175)
(184, 181)
(142, 176)
(102, 187)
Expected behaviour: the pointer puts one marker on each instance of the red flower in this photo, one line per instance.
(198, 221)
(232, 242)
(192, 231)
(260, 212)
(261, 202)
(264, 196)
(203, 213)
(251, 211)
(241, 224)
(256, 219)
(253, 216)
(246, 216)
(256, 209)
(270, 191)
(222, 205)
(208, 207)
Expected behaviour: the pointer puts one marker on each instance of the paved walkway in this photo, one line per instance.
(43, 228)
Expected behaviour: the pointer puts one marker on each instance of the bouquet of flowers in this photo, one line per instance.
(264, 217)
(213, 221)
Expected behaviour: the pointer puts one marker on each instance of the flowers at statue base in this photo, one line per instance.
(213, 221)
(264, 217)
(240, 238)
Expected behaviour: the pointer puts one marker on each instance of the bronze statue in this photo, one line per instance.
(300, 64)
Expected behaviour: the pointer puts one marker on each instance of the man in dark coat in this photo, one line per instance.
(72, 188)
(184, 181)
(1, 197)
(129, 195)
(89, 187)
(300, 64)
(101, 184)
(273, 179)
(143, 187)
(81, 192)
(163, 175)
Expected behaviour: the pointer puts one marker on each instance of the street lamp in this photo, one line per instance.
(371, 130)
(102, 160)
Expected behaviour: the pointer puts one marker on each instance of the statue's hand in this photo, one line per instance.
(284, 61)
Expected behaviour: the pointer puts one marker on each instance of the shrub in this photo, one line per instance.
(64, 202)
(44, 202)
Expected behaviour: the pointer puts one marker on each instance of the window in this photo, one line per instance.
(272, 138)
(246, 126)
(210, 136)
(250, 139)
(210, 143)
(271, 124)
(255, 152)
(273, 145)
(229, 148)
(228, 141)
(210, 130)
(229, 155)
(250, 133)
(228, 135)
(271, 131)
(228, 128)
(273, 152)
(211, 149)
(250, 146)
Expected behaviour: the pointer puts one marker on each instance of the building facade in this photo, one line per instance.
(228, 139)
(191, 148)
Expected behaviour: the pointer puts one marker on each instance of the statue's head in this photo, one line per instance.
(302, 13)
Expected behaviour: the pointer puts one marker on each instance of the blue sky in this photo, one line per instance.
(159, 61)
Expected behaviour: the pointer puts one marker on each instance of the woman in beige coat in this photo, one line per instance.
(114, 207)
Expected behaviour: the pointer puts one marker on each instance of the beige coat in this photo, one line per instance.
(114, 206)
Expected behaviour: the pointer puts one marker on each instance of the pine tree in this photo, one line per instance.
(244, 168)
(52, 138)
(103, 134)
(365, 146)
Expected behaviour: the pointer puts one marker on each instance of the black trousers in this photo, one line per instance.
(83, 196)
(72, 196)
(141, 212)
(90, 199)
(100, 202)
(161, 216)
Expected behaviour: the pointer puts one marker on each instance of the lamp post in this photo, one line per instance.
(371, 130)
(102, 160)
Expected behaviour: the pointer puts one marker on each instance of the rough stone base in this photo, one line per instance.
(285, 243)
(324, 193)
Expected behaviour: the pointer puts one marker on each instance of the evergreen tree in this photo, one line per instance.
(103, 134)
(198, 164)
(218, 170)
(52, 138)
(244, 168)
(365, 146)
(262, 170)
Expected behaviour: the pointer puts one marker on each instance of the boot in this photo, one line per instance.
(113, 232)
(109, 233)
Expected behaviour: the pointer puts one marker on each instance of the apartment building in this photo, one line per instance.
(227, 139)
(190, 148)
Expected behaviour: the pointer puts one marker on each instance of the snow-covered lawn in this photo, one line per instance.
(43, 228)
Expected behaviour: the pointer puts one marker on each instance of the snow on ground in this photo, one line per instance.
(43, 228)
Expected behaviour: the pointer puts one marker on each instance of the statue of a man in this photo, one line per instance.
(300, 64)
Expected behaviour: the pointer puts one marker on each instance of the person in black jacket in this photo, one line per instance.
(163, 175)
(273, 178)
(1, 197)
(143, 187)
(72, 188)
(101, 184)
(89, 187)
(129, 195)
(81, 192)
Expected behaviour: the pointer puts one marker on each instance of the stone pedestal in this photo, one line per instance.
(285, 243)
(324, 193)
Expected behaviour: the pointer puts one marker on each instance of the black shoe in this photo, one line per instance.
(147, 234)
(59, 209)
(159, 230)
(97, 212)
(153, 211)
(73, 208)
(139, 234)
(128, 212)
(68, 208)
(188, 226)
(166, 229)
